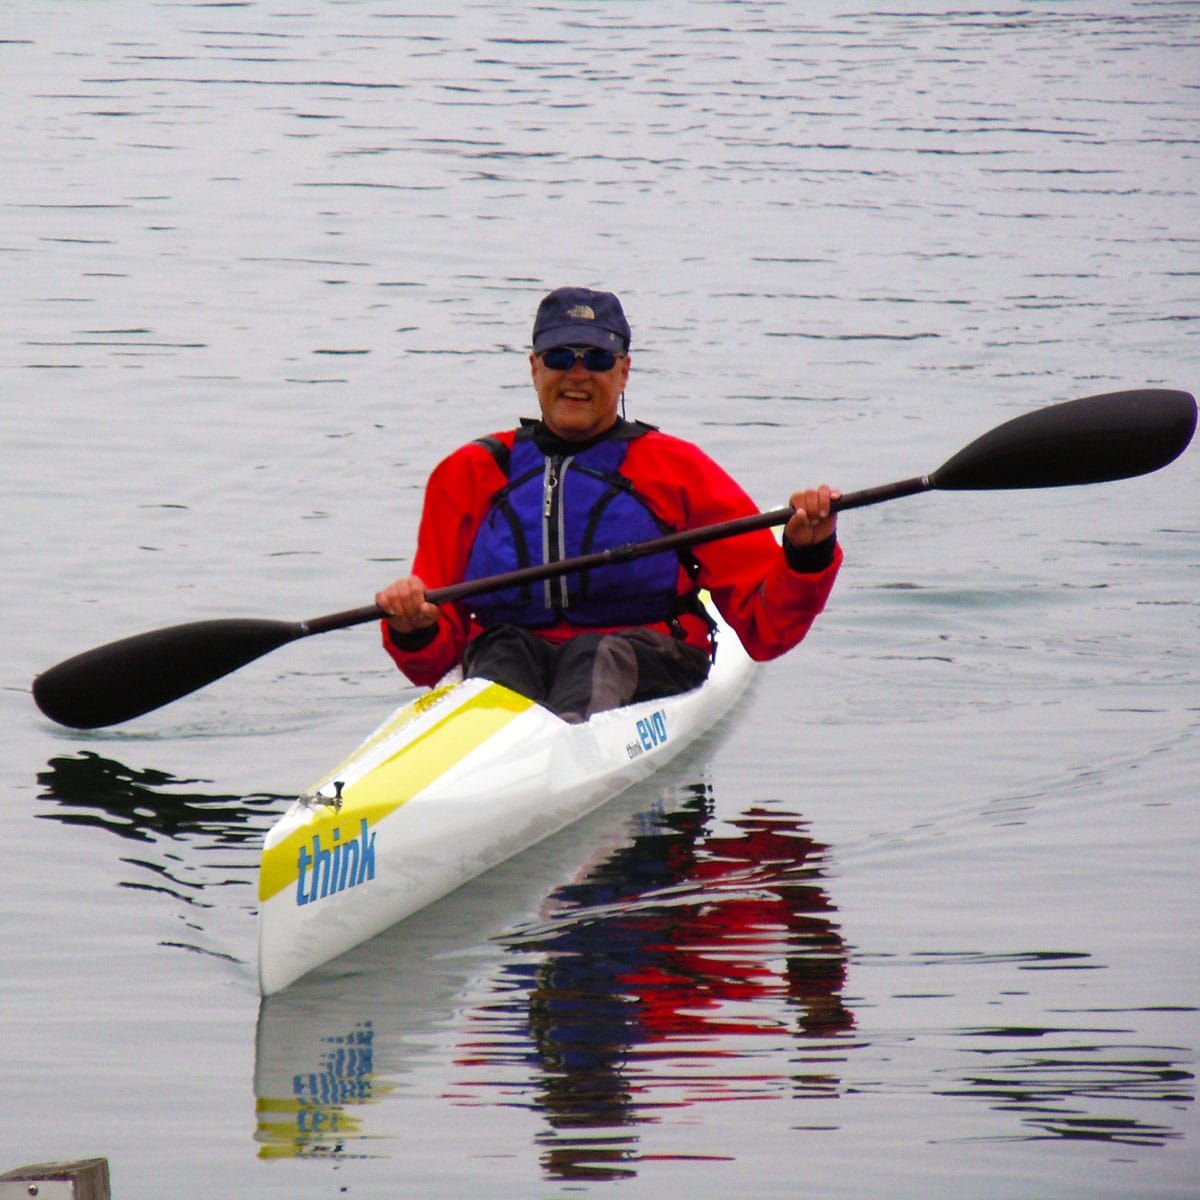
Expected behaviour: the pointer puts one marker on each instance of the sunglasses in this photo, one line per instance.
(563, 358)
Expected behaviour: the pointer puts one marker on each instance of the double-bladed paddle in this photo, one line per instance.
(1093, 440)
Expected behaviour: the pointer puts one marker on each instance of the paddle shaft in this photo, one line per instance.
(1092, 440)
(616, 554)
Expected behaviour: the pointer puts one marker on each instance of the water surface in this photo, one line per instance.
(920, 919)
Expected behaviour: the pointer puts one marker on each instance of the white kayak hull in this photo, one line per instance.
(448, 787)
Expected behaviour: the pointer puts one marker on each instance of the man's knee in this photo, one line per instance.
(512, 656)
(665, 665)
(614, 674)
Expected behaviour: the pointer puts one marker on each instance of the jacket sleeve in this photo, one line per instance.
(456, 500)
(770, 605)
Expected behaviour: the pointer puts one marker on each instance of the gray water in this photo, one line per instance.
(921, 919)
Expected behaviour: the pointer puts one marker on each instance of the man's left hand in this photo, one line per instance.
(813, 521)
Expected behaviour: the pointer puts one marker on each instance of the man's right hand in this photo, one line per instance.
(406, 607)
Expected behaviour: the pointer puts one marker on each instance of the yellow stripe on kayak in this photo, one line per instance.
(398, 721)
(396, 780)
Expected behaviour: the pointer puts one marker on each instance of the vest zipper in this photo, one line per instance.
(553, 528)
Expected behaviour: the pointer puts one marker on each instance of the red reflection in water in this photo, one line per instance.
(641, 990)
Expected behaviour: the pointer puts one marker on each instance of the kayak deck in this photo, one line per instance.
(446, 788)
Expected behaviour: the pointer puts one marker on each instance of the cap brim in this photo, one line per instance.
(578, 335)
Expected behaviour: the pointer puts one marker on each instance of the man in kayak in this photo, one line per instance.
(582, 479)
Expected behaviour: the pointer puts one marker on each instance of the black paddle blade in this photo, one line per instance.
(126, 678)
(1098, 438)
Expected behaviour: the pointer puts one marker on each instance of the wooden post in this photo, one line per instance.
(86, 1179)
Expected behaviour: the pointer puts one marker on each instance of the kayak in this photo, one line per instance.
(449, 786)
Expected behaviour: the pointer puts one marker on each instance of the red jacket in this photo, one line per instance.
(768, 604)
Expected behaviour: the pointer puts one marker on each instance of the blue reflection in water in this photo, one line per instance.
(321, 1115)
(649, 987)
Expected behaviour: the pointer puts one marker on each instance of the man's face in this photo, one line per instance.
(578, 404)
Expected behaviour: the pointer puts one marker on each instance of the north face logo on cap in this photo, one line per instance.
(581, 312)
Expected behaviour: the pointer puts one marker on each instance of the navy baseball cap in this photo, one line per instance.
(574, 316)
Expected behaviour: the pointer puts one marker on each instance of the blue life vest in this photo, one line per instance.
(560, 506)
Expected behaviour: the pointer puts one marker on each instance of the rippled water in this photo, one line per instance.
(920, 920)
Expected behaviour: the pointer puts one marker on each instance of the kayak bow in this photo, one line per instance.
(448, 787)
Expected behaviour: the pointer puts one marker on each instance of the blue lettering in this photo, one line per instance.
(302, 865)
(652, 730)
(323, 872)
(348, 875)
(366, 866)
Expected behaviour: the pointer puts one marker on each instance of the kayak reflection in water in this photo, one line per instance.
(580, 480)
(641, 993)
